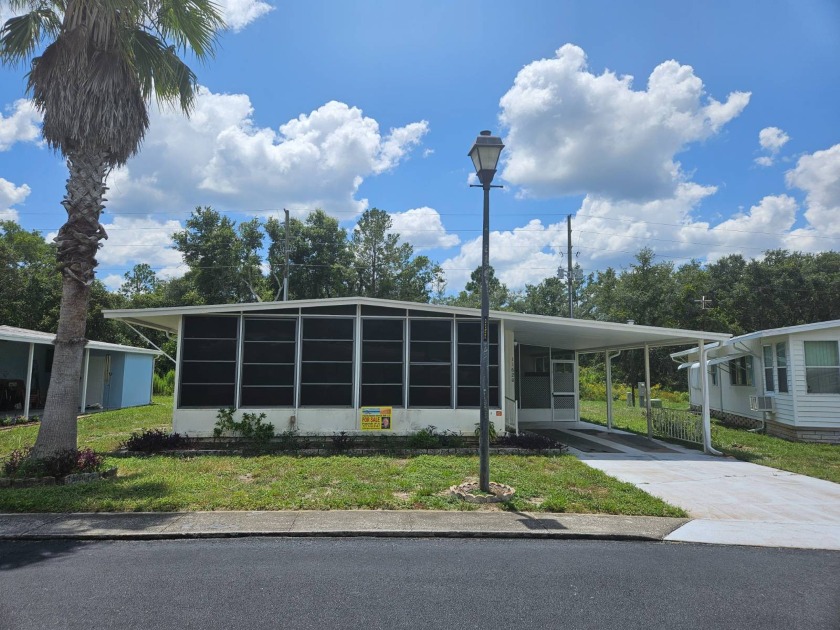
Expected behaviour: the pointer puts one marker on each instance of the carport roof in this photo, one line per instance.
(24, 335)
(581, 335)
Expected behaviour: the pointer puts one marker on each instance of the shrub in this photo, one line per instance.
(164, 385)
(251, 427)
(491, 431)
(425, 438)
(62, 463)
(531, 441)
(153, 441)
(10, 421)
(341, 442)
(451, 439)
(14, 460)
(290, 440)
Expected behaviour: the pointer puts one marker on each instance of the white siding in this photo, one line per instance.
(812, 410)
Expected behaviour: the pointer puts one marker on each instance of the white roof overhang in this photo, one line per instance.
(571, 334)
(23, 335)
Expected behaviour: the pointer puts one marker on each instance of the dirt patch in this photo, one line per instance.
(402, 496)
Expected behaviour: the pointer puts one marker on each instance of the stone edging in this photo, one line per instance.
(67, 480)
(499, 493)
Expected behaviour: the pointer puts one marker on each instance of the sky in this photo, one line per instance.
(698, 129)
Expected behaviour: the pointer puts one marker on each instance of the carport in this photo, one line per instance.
(113, 376)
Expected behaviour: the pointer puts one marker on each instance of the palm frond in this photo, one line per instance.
(20, 36)
(161, 72)
(189, 24)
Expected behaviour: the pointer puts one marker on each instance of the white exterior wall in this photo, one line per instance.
(812, 410)
(200, 422)
(796, 407)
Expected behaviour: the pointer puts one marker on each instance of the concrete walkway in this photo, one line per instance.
(732, 502)
(382, 523)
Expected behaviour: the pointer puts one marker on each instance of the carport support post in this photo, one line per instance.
(704, 390)
(28, 391)
(647, 392)
(84, 379)
(608, 358)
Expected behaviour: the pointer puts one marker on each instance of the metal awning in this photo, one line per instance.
(581, 335)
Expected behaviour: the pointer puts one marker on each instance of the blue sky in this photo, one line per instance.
(698, 129)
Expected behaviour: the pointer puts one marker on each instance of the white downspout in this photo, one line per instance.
(704, 389)
(27, 394)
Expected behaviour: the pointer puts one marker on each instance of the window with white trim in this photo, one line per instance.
(741, 371)
(775, 368)
(822, 367)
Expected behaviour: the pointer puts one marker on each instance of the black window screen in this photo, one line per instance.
(268, 362)
(208, 361)
(430, 363)
(326, 378)
(469, 364)
(382, 362)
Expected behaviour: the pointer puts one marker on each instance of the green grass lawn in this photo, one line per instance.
(815, 460)
(281, 482)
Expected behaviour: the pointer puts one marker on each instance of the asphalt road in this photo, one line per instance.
(403, 583)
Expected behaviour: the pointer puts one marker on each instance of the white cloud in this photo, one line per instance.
(422, 228)
(772, 139)
(572, 132)
(219, 157)
(20, 125)
(608, 233)
(818, 174)
(11, 195)
(239, 13)
(523, 255)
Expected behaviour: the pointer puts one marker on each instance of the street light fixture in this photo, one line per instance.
(485, 156)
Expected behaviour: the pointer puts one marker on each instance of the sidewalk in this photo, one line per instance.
(406, 524)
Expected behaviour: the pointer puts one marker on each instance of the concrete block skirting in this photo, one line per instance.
(777, 429)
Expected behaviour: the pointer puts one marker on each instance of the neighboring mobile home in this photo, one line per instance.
(329, 365)
(787, 379)
(114, 376)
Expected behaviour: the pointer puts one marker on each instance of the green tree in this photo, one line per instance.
(320, 260)
(498, 294)
(101, 64)
(30, 291)
(218, 260)
(386, 268)
(141, 280)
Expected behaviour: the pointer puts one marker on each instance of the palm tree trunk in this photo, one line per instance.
(58, 427)
(78, 242)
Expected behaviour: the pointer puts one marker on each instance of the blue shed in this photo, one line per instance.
(114, 376)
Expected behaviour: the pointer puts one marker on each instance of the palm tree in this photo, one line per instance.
(102, 63)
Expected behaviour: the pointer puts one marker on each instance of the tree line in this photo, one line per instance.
(229, 262)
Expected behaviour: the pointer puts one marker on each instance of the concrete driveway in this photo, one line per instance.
(733, 502)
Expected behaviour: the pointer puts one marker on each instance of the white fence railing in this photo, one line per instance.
(677, 424)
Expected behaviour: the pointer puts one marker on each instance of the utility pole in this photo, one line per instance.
(704, 303)
(570, 278)
(286, 266)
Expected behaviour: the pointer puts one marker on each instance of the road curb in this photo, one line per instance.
(545, 535)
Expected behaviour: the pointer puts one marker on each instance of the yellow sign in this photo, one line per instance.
(376, 419)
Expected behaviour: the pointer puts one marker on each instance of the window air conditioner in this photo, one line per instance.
(761, 403)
